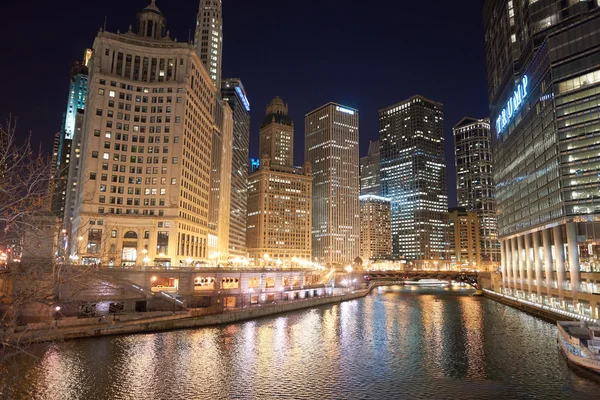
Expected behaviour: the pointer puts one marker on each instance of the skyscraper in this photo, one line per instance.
(370, 170)
(413, 176)
(276, 134)
(543, 80)
(144, 173)
(219, 205)
(375, 228)
(331, 147)
(279, 195)
(475, 183)
(61, 155)
(208, 38)
(233, 93)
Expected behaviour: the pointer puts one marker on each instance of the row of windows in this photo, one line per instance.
(135, 138)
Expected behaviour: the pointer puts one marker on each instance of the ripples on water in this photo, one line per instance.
(398, 343)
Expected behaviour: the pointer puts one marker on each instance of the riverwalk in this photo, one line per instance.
(73, 328)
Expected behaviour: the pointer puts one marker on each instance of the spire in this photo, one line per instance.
(152, 6)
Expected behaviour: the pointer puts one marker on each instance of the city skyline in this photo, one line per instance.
(264, 78)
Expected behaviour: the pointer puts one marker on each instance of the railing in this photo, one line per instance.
(199, 269)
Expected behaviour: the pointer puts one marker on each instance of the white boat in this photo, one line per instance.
(580, 343)
(427, 282)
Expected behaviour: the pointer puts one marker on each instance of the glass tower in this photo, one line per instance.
(413, 176)
(544, 91)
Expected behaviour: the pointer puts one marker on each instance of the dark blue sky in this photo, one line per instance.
(364, 54)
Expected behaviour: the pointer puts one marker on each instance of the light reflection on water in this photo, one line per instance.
(396, 343)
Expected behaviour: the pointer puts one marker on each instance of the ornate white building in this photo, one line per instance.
(145, 159)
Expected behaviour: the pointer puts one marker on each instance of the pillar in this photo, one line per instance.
(521, 249)
(560, 259)
(573, 254)
(537, 259)
(515, 262)
(508, 251)
(548, 261)
(503, 262)
(528, 262)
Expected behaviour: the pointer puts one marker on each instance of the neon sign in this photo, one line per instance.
(513, 105)
(344, 110)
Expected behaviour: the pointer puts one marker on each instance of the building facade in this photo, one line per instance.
(279, 196)
(375, 228)
(145, 157)
(331, 148)
(63, 140)
(543, 80)
(464, 241)
(413, 176)
(277, 135)
(234, 94)
(219, 205)
(208, 38)
(279, 215)
(370, 170)
(475, 183)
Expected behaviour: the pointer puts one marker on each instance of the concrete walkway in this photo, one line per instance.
(137, 323)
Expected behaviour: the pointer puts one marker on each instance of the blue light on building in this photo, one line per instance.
(512, 106)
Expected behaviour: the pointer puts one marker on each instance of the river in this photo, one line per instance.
(397, 343)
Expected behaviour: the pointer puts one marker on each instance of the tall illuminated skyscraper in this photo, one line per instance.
(232, 91)
(331, 146)
(208, 38)
(413, 176)
(543, 84)
(279, 195)
(61, 155)
(475, 183)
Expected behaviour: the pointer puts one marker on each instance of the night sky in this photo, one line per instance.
(367, 55)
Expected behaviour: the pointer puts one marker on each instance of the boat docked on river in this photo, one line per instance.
(580, 342)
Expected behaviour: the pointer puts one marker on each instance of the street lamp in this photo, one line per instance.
(189, 261)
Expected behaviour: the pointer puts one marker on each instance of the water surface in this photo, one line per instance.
(397, 343)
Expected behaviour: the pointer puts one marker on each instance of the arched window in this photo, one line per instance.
(131, 235)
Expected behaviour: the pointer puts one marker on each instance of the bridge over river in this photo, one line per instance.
(472, 278)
